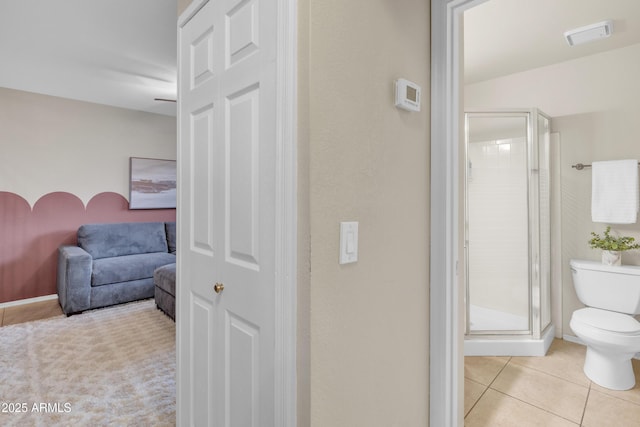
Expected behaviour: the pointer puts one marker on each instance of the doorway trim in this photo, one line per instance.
(286, 216)
(446, 358)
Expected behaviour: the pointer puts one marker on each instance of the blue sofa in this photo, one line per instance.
(113, 264)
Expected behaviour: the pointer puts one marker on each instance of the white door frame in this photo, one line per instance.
(445, 381)
(285, 391)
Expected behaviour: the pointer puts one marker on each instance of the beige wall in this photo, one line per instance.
(182, 5)
(594, 108)
(54, 144)
(368, 162)
(304, 216)
(584, 138)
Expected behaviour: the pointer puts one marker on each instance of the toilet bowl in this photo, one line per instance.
(612, 339)
(606, 325)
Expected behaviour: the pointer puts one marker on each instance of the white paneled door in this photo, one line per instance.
(228, 203)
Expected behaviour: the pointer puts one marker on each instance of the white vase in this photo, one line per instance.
(612, 257)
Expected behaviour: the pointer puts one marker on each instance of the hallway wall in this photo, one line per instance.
(368, 162)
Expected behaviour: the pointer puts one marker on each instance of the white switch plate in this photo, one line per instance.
(348, 242)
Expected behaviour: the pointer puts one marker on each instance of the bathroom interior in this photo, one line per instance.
(530, 115)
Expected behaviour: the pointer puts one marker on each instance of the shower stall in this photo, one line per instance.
(507, 233)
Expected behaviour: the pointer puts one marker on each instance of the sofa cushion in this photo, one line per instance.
(170, 228)
(113, 240)
(165, 278)
(128, 267)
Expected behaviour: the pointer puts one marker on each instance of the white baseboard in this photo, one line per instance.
(572, 339)
(28, 300)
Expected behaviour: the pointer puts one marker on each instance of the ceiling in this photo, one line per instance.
(123, 52)
(114, 52)
(503, 37)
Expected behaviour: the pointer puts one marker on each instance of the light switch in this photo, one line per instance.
(348, 242)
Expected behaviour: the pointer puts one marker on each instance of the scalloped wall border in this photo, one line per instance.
(31, 236)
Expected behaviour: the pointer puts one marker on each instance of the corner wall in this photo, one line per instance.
(64, 163)
(368, 162)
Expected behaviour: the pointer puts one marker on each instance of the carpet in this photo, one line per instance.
(107, 367)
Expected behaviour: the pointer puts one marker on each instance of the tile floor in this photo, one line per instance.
(544, 391)
(28, 312)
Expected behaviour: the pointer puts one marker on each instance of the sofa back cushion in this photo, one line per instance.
(129, 238)
(170, 228)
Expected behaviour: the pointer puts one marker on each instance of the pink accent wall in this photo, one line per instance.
(29, 238)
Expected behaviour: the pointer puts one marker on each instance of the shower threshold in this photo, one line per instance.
(508, 345)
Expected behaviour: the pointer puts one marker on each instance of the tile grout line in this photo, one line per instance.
(487, 388)
(536, 406)
(589, 386)
(586, 401)
(613, 396)
(552, 374)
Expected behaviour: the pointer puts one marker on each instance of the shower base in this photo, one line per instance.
(508, 345)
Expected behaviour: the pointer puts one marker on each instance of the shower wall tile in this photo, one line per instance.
(498, 226)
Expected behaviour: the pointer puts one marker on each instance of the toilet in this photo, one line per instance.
(606, 325)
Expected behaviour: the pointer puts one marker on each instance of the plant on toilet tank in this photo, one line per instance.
(612, 246)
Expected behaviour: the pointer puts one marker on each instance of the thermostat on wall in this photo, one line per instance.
(407, 95)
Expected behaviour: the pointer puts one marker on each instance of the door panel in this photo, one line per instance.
(197, 243)
(203, 212)
(242, 364)
(243, 112)
(201, 356)
(243, 31)
(228, 195)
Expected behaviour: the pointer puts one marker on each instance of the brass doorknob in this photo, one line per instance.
(218, 287)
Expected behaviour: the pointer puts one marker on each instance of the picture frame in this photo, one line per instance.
(152, 183)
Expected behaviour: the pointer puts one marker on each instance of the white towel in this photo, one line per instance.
(614, 192)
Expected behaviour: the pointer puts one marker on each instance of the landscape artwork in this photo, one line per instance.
(152, 183)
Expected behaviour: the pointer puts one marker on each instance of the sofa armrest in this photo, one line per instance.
(74, 279)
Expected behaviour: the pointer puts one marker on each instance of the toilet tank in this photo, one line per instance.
(610, 287)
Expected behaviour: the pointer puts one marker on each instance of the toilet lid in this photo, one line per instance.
(608, 320)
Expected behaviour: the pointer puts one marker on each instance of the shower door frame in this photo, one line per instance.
(535, 302)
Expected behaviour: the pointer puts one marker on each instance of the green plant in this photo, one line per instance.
(612, 243)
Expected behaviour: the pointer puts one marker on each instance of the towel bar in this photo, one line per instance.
(580, 166)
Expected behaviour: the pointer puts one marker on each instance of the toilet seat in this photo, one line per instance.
(607, 321)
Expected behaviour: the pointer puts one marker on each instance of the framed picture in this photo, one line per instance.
(152, 183)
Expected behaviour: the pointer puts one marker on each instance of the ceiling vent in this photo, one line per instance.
(589, 33)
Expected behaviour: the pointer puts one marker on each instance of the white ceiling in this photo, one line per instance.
(123, 52)
(503, 37)
(115, 52)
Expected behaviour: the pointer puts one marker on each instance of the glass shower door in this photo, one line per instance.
(497, 224)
